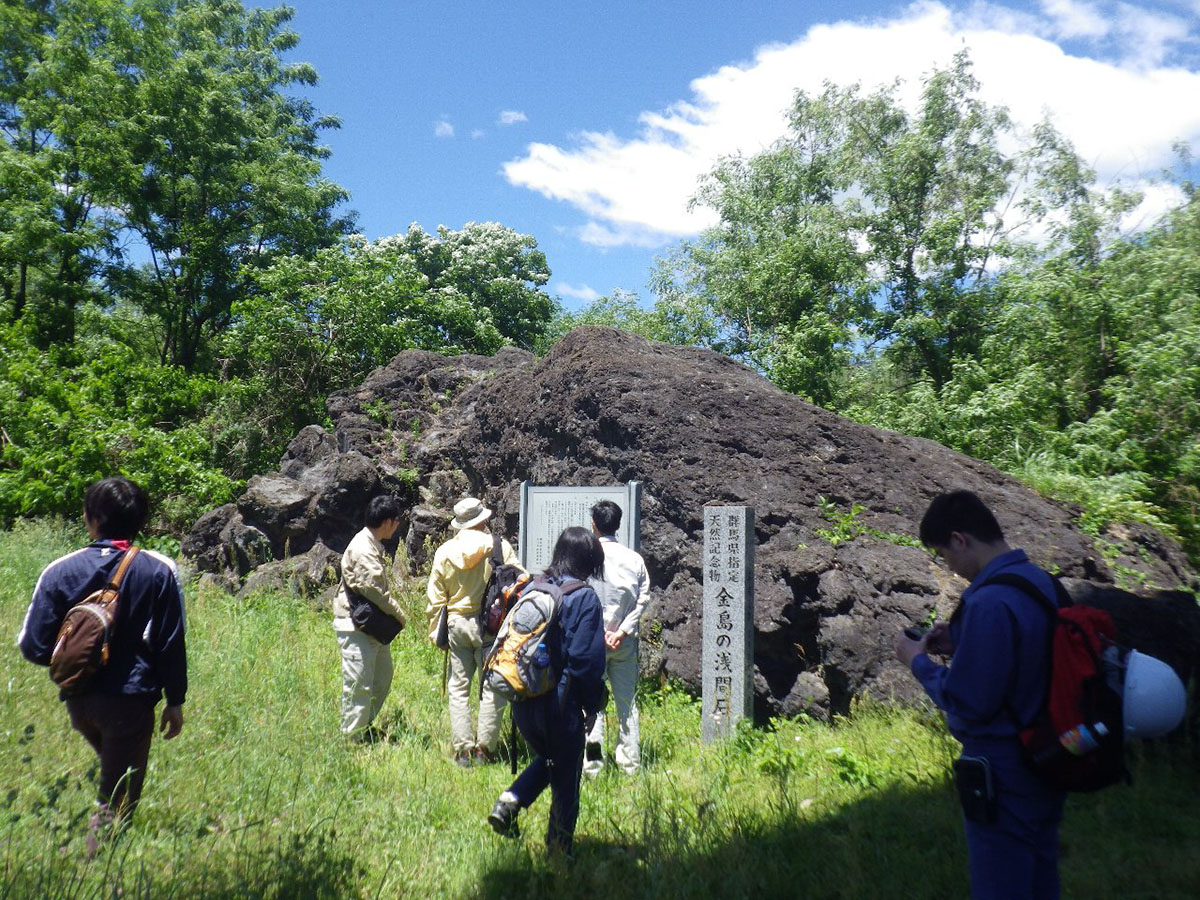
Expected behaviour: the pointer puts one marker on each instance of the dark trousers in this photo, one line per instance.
(119, 728)
(556, 736)
(1017, 854)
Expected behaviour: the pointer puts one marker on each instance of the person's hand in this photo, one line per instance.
(938, 639)
(172, 722)
(613, 639)
(907, 649)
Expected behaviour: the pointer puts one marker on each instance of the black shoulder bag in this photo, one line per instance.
(370, 619)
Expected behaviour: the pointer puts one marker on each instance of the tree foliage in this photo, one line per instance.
(156, 157)
(868, 228)
(221, 190)
(165, 120)
(486, 279)
(318, 323)
(72, 413)
(64, 87)
(680, 320)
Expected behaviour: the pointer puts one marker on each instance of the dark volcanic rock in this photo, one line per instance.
(307, 576)
(833, 499)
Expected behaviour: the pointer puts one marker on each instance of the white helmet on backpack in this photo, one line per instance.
(1154, 700)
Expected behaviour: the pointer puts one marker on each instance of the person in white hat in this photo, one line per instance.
(459, 575)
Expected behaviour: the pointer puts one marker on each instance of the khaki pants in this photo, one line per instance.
(621, 668)
(366, 679)
(466, 659)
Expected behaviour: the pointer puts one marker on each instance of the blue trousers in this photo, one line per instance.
(1016, 856)
(556, 736)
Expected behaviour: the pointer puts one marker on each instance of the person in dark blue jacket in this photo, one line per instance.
(554, 724)
(115, 712)
(998, 640)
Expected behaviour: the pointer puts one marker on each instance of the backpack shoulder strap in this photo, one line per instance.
(1025, 586)
(571, 586)
(557, 591)
(112, 590)
(497, 552)
(115, 582)
(1010, 579)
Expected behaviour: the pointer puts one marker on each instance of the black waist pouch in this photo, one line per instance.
(370, 619)
(976, 792)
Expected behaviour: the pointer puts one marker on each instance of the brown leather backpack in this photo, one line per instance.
(81, 648)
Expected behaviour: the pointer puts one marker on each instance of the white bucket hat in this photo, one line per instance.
(468, 512)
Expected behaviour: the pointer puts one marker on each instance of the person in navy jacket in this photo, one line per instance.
(115, 712)
(554, 724)
(998, 675)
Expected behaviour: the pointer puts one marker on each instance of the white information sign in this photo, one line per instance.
(546, 511)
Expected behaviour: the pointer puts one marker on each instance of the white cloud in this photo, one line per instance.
(1122, 104)
(511, 117)
(478, 133)
(443, 129)
(1149, 37)
(1074, 19)
(580, 292)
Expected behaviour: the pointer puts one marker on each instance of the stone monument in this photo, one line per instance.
(727, 657)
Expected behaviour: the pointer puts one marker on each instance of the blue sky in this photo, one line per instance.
(587, 125)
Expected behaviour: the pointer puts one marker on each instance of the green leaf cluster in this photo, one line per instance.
(106, 409)
(154, 151)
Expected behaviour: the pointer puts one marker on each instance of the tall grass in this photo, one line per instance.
(260, 798)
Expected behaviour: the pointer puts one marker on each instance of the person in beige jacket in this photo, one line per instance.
(457, 580)
(366, 662)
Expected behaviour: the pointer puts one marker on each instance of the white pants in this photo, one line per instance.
(621, 667)
(366, 679)
(466, 659)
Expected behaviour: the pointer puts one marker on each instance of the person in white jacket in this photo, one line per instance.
(366, 662)
(624, 592)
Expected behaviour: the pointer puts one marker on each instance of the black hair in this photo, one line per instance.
(382, 508)
(117, 507)
(577, 554)
(959, 511)
(606, 516)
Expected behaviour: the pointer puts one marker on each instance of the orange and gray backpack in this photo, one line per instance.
(81, 648)
(520, 664)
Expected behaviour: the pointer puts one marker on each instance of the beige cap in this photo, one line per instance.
(468, 512)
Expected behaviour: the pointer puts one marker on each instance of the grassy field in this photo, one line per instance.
(259, 797)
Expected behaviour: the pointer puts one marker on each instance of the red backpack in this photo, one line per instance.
(1076, 742)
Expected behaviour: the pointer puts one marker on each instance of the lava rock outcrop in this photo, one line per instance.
(835, 502)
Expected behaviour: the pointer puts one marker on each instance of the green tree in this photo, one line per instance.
(867, 228)
(488, 280)
(72, 413)
(1087, 381)
(683, 321)
(65, 124)
(313, 324)
(226, 166)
